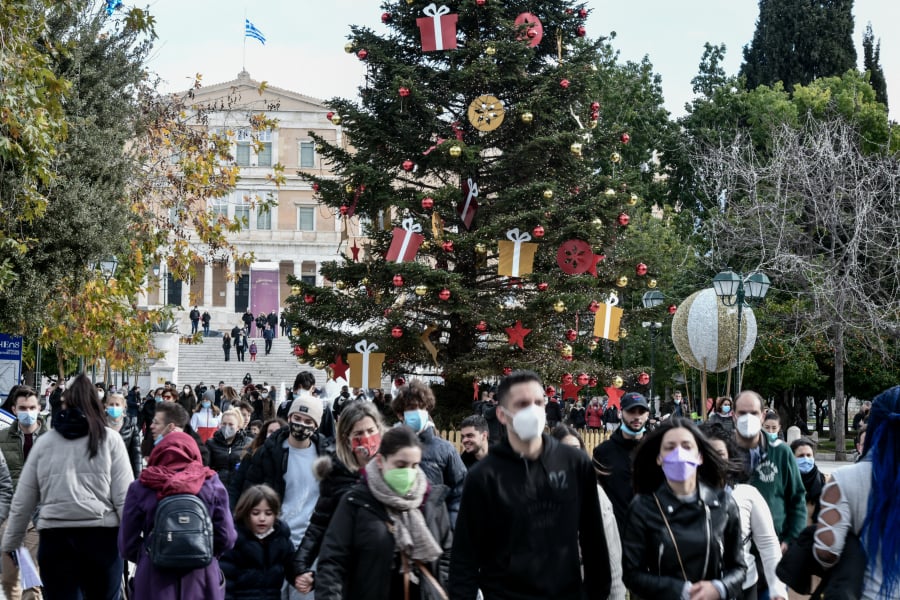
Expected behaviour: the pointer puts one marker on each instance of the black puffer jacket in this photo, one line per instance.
(708, 534)
(270, 462)
(257, 569)
(131, 435)
(358, 558)
(225, 457)
(335, 479)
(612, 461)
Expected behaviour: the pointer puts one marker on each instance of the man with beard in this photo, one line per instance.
(612, 458)
(474, 434)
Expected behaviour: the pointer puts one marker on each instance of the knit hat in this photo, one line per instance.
(308, 405)
(210, 395)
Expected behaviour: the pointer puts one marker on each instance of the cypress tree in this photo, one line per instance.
(872, 65)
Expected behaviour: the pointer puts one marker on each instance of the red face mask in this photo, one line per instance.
(366, 445)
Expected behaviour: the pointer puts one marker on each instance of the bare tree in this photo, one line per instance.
(823, 219)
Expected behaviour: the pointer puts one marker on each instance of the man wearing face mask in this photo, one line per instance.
(530, 513)
(440, 462)
(170, 416)
(15, 444)
(771, 467)
(612, 458)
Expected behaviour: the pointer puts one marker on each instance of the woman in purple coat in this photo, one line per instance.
(174, 467)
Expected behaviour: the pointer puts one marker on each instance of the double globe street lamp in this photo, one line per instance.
(735, 290)
(652, 299)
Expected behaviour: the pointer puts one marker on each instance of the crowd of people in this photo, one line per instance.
(358, 497)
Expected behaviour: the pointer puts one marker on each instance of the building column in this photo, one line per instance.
(298, 268)
(229, 292)
(207, 284)
(186, 294)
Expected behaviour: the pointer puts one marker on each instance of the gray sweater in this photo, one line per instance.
(71, 489)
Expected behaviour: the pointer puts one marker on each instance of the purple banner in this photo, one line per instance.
(264, 289)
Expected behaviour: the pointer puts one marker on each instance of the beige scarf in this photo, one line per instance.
(411, 535)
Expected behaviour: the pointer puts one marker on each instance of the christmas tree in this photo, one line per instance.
(494, 183)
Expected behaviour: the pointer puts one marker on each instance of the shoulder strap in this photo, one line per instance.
(674, 543)
(432, 579)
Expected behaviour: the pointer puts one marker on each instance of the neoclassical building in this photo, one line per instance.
(295, 235)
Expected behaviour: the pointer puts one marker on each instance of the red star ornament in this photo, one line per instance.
(339, 367)
(571, 390)
(595, 260)
(517, 335)
(614, 395)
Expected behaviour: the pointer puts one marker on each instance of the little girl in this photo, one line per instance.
(253, 351)
(255, 568)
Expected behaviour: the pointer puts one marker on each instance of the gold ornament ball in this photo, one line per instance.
(651, 284)
(348, 47)
(565, 351)
(632, 200)
(426, 245)
(592, 345)
(295, 331)
(319, 147)
(455, 151)
(336, 119)
(490, 51)
(548, 194)
(421, 290)
(302, 360)
(320, 364)
(623, 333)
(598, 222)
(527, 118)
(349, 188)
(617, 382)
(622, 281)
(559, 306)
(295, 290)
(610, 192)
(340, 284)
(592, 124)
(364, 281)
(312, 349)
(480, 248)
(615, 157)
(575, 148)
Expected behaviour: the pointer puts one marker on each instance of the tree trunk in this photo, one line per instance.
(838, 420)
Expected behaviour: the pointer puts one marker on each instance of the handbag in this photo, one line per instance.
(843, 581)
(432, 589)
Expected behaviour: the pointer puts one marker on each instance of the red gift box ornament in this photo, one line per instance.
(437, 28)
(467, 210)
(406, 242)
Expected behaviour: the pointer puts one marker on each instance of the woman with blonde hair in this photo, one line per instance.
(226, 446)
(357, 440)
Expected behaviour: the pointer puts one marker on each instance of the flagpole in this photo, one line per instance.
(244, 56)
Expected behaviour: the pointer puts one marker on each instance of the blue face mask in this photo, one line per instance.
(158, 399)
(158, 439)
(205, 404)
(806, 464)
(27, 417)
(626, 429)
(772, 437)
(115, 411)
(726, 409)
(416, 419)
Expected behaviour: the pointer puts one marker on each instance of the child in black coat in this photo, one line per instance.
(261, 560)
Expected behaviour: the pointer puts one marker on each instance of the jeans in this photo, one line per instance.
(268, 346)
(206, 329)
(194, 326)
(80, 563)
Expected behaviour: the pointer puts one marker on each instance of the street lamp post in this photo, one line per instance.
(735, 290)
(652, 299)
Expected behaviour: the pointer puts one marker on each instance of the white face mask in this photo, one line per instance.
(529, 422)
(101, 394)
(748, 426)
(228, 431)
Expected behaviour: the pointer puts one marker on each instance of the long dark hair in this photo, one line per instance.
(883, 514)
(82, 395)
(649, 475)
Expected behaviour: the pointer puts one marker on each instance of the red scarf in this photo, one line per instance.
(174, 467)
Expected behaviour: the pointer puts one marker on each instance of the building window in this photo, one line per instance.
(306, 218)
(307, 155)
(263, 218)
(242, 154)
(308, 279)
(242, 208)
(264, 156)
(219, 206)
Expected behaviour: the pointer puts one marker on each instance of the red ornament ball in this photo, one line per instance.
(362, 54)
(507, 371)
(595, 106)
(444, 294)
(344, 209)
(298, 351)
(567, 379)
(594, 306)
(580, 31)
(408, 165)
(571, 335)
(404, 92)
(482, 326)
(542, 286)
(532, 33)
(564, 84)
(640, 269)
(624, 219)
(427, 203)
(538, 231)
(583, 378)
(643, 379)
(309, 298)
(397, 332)
(399, 382)
(386, 17)
(583, 13)
(447, 246)
(595, 115)
(593, 382)
(672, 309)
(625, 138)
(398, 280)
(329, 114)
(315, 187)
(480, 2)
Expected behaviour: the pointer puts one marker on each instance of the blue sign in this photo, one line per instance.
(10, 362)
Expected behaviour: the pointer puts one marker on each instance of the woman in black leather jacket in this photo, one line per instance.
(682, 537)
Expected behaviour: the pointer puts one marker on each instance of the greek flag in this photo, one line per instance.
(251, 31)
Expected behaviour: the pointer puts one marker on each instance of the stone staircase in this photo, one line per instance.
(206, 362)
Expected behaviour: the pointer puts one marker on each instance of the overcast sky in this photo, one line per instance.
(304, 51)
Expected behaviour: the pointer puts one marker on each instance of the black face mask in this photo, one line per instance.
(301, 432)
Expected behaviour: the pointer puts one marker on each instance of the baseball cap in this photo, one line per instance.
(632, 400)
(309, 406)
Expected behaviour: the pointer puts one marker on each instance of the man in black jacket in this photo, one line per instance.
(612, 458)
(247, 318)
(195, 320)
(530, 513)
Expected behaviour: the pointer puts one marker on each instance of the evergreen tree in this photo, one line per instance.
(872, 65)
(571, 160)
(797, 41)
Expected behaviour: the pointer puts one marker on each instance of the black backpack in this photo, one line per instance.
(182, 536)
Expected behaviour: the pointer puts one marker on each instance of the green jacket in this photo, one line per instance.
(778, 480)
(12, 447)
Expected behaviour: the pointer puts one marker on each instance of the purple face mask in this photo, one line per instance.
(679, 464)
